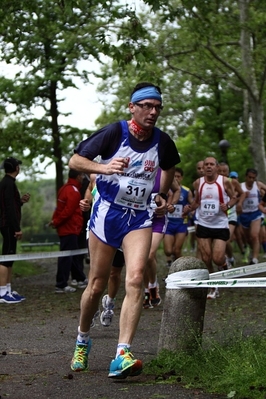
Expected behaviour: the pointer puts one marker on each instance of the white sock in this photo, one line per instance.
(120, 347)
(8, 288)
(110, 300)
(153, 285)
(83, 337)
(3, 290)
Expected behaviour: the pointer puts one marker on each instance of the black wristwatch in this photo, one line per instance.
(164, 196)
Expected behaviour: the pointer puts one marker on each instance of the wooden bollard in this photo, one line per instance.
(184, 309)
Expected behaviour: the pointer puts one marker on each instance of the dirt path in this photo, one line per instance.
(37, 338)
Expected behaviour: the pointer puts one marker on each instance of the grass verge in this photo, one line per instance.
(236, 369)
(24, 268)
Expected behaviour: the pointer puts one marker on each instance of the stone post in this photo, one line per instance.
(184, 309)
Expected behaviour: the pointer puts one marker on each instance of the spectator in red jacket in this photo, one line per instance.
(68, 221)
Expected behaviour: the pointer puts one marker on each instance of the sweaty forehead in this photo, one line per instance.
(209, 161)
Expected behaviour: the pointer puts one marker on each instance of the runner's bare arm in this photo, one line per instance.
(231, 194)
(116, 165)
(195, 203)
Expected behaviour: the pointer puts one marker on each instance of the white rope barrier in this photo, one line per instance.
(43, 255)
(183, 279)
(240, 271)
(224, 279)
(194, 274)
(226, 283)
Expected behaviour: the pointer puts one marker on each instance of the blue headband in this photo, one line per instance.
(149, 92)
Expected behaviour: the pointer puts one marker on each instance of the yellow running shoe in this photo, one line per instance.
(80, 359)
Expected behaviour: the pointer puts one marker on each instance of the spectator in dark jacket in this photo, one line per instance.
(68, 221)
(10, 217)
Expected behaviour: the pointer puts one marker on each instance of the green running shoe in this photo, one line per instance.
(80, 359)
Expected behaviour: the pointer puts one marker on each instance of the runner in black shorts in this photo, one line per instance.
(214, 234)
(214, 195)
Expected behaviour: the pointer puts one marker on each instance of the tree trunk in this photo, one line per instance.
(56, 136)
(257, 145)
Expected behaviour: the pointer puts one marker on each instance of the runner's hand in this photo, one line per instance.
(116, 165)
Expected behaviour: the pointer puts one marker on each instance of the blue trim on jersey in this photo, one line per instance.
(183, 200)
(109, 186)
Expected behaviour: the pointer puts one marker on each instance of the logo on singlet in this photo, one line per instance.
(149, 166)
(137, 163)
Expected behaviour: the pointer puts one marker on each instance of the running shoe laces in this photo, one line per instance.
(122, 366)
(80, 358)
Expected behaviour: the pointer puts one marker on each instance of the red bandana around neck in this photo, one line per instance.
(139, 131)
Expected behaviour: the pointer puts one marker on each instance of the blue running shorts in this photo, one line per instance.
(245, 219)
(111, 222)
(176, 226)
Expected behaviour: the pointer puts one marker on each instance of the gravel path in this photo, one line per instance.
(37, 340)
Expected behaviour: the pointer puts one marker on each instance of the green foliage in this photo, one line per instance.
(38, 211)
(192, 49)
(194, 54)
(48, 39)
(219, 44)
(197, 113)
(24, 268)
(236, 369)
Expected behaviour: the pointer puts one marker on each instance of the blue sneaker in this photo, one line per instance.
(125, 365)
(16, 295)
(8, 298)
(80, 359)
